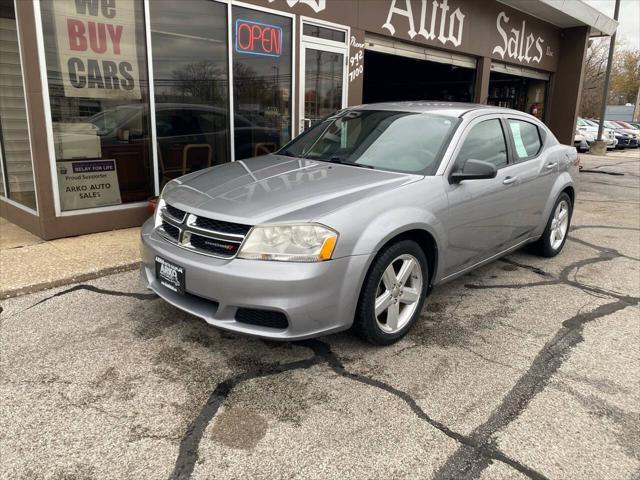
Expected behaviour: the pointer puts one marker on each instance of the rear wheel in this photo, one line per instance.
(555, 234)
(393, 293)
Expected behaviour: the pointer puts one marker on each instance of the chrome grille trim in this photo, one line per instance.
(205, 232)
(187, 227)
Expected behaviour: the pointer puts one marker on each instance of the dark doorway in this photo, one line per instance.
(389, 78)
(520, 93)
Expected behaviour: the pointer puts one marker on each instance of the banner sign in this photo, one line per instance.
(97, 50)
(88, 183)
(258, 38)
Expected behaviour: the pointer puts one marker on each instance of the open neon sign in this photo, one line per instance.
(258, 38)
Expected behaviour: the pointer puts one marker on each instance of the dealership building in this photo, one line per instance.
(104, 101)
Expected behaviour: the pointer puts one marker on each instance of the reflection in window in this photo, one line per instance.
(323, 77)
(526, 138)
(191, 82)
(484, 142)
(15, 150)
(383, 139)
(262, 70)
(96, 68)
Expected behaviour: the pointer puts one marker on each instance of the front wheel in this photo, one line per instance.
(557, 230)
(393, 293)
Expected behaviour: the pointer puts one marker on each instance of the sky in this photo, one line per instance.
(629, 19)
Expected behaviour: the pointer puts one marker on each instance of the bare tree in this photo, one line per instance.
(625, 77)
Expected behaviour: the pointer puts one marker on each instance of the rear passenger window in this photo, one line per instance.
(485, 142)
(526, 139)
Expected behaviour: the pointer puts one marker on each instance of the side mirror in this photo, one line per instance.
(474, 170)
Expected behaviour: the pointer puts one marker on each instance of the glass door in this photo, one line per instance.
(324, 57)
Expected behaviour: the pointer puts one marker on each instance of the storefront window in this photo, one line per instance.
(262, 68)
(520, 93)
(15, 151)
(191, 81)
(96, 69)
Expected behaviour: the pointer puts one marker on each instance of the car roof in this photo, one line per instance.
(455, 109)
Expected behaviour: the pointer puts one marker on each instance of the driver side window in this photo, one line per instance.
(485, 142)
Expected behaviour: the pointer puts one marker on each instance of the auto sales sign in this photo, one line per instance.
(97, 51)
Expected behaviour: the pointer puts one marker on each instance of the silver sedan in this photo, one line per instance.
(353, 222)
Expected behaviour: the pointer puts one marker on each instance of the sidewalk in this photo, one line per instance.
(29, 264)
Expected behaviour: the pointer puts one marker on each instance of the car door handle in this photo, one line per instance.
(510, 180)
(551, 165)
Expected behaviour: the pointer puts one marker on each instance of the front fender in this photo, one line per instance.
(395, 222)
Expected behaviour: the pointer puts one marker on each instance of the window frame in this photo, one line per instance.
(146, 21)
(3, 172)
(514, 159)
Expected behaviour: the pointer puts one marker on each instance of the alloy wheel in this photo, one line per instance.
(398, 293)
(559, 225)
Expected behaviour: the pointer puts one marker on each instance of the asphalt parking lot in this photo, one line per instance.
(526, 368)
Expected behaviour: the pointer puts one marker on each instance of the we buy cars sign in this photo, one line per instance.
(97, 51)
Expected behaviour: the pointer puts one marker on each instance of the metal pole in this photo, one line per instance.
(605, 93)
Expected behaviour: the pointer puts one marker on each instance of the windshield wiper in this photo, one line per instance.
(346, 162)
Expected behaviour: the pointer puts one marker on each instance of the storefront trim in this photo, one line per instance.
(519, 71)
(18, 205)
(325, 45)
(152, 99)
(5, 180)
(391, 46)
(37, 12)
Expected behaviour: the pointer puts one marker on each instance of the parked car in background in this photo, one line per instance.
(590, 133)
(580, 142)
(352, 223)
(623, 140)
(629, 130)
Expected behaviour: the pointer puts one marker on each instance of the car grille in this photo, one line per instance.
(201, 234)
(171, 230)
(221, 227)
(175, 213)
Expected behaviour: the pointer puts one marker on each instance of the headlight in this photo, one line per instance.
(307, 242)
(157, 219)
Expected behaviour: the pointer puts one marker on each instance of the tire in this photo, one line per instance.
(387, 328)
(549, 245)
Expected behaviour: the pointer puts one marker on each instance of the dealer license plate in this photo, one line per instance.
(170, 275)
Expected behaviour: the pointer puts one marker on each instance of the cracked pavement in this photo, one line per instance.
(525, 368)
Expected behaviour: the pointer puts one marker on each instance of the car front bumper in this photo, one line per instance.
(316, 298)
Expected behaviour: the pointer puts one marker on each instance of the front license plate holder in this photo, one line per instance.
(170, 275)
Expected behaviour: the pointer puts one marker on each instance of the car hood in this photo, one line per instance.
(276, 188)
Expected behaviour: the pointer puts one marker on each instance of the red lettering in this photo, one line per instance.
(256, 32)
(267, 40)
(115, 32)
(277, 40)
(76, 31)
(241, 27)
(97, 37)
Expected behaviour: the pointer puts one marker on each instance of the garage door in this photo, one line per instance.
(390, 46)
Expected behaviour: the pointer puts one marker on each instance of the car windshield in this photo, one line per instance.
(608, 124)
(388, 140)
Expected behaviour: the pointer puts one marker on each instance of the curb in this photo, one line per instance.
(38, 287)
